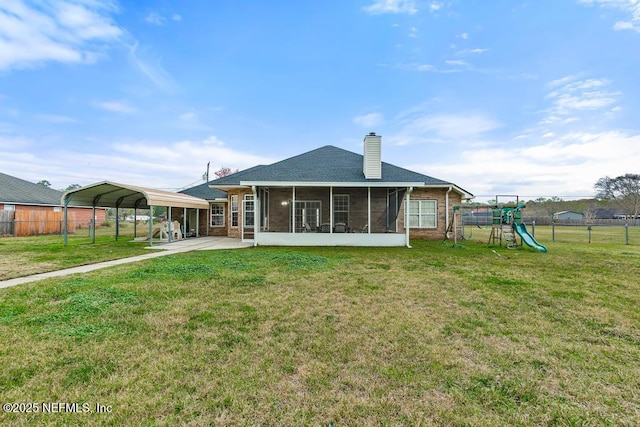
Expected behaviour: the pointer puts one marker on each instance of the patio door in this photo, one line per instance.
(307, 214)
(248, 217)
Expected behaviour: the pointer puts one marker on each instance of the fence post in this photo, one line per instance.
(533, 228)
(553, 231)
(626, 234)
(589, 229)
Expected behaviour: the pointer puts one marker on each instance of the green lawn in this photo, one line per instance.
(334, 336)
(23, 256)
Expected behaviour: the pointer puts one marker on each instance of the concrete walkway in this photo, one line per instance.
(158, 250)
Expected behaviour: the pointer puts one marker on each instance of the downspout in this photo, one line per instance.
(406, 216)
(446, 212)
(256, 215)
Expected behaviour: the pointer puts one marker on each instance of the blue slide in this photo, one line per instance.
(521, 229)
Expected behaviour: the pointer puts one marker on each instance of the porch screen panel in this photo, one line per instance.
(341, 208)
(307, 214)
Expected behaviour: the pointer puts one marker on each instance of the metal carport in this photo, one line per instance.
(114, 195)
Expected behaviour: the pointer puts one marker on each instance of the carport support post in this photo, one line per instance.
(184, 223)
(150, 225)
(66, 205)
(169, 224)
(117, 222)
(93, 223)
(198, 222)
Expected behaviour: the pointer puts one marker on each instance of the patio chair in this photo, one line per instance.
(306, 228)
(364, 229)
(176, 231)
(340, 227)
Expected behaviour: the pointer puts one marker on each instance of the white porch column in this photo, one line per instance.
(256, 215)
(293, 209)
(331, 210)
(406, 216)
(369, 210)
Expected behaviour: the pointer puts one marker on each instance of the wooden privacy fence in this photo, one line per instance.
(31, 223)
(6, 223)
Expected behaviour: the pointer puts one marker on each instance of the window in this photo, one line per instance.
(217, 214)
(234, 210)
(249, 206)
(341, 208)
(422, 214)
(57, 209)
(9, 207)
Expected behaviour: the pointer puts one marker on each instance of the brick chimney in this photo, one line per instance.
(372, 165)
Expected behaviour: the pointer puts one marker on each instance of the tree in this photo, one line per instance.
(44, 183)
(624, 190)
(224, 171)
(72, 187)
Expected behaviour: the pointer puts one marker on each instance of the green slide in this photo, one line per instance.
(521, 229)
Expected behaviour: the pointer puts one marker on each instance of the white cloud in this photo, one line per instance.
(56, 118)
(571, 96)
(369, 120)
(418, 127)
(153, 164)
(155, 19)
(391, 6)
(631, 7)
(32, 33)
(176, 17)
(568, 165)
(152, 69)
(435, 6)
(475, 51)
(122, 107)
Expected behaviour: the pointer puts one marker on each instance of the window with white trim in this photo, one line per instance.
(341, 208)
(234, 210)
(423, 214)
(9, 207)
(217, 214)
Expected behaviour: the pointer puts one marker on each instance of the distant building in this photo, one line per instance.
(27, 209)
(568, 215)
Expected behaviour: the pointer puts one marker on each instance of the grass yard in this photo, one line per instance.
(433, 335)
(23, 256)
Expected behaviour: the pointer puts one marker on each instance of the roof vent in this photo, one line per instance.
(372, 164)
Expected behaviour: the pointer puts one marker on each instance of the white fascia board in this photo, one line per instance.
(330, 184)
(463, 193)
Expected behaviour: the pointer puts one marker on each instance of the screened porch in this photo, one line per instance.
(325, 216)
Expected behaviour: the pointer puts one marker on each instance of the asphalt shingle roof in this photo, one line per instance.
(203, 191)
(325, 164)
(18, 191)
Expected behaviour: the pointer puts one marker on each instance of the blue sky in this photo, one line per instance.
(537, 98)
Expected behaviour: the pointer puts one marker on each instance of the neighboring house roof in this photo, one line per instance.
(327, 165)
(203, 191)
(604, 213)
(20, 192)
(567, 213)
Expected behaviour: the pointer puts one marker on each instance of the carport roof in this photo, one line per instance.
(112, 195)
